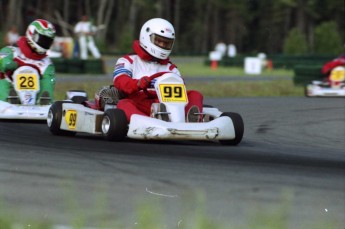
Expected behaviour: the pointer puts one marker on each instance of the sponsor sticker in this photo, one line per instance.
(71, 118)
(119, 66)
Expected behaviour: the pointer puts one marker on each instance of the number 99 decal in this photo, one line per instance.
(71, 119)
(173, 93)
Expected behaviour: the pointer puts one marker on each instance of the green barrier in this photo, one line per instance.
(94, 66)
(279, 61)
(78, 66)
(75, 66)
(60, 65)
(291, 61)
(304, 74)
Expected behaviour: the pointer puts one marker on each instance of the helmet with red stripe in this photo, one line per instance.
(40, 35)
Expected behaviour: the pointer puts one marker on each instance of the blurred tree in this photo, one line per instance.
(103, 17)
(327, 39)
(252, 25)
(13, 15)
(295, 43)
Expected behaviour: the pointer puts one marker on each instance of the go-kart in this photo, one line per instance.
(102, 117)
(24, 104)
(333, 87)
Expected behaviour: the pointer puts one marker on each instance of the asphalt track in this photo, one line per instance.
(289, 167)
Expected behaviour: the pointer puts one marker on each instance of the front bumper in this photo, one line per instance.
(142, 127)
(17, 111)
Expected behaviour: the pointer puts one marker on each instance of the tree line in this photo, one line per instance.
(251, 25)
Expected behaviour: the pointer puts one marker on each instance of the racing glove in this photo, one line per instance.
(7, 63)
(144, 82)
(128, 85)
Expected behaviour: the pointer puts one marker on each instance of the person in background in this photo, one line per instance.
(12, 36)
(339, 61)
(335, 79)
(85, 31)
(30, 50)
(221, 47)
(151, 56)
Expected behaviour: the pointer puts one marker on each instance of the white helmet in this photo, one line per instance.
(157, 37)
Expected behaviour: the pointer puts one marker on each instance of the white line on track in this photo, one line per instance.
(159, 194)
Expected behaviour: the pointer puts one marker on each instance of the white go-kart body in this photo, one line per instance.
(335, 87)
(26, 83)
(68, 118)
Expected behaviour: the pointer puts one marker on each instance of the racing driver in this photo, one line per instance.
(151, 56)
(30, 50)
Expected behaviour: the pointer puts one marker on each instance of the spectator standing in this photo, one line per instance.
(85, 32)
(12, 36)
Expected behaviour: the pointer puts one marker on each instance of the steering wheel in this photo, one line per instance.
(154, 76)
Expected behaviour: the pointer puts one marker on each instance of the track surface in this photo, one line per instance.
(291, 162)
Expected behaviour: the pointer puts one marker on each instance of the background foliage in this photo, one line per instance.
(295, 43)
(252, 25)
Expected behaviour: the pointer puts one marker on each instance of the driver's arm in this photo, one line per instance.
(123, 78)
(6, 60)
(47, 82)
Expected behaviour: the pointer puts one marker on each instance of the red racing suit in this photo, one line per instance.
(329, 66)
(130, 68)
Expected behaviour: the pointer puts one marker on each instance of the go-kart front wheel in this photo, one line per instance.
(114, 125)
(238, 126)
(54, 119)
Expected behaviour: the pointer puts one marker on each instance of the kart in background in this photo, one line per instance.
(102, 117)
(333, 87)
(22, 103)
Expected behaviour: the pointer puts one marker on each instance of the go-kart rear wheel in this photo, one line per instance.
(114, 125)
(238, 126)
(306, 93)
(54, 119)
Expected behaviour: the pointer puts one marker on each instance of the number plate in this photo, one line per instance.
(71, 118)
(173, 93)
(27, 81)
(337, 75)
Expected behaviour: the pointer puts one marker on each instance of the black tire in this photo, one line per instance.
(79, 99)
(207, 118)
(54, 119)
(114, 125)
(238, 126)
(306, 91)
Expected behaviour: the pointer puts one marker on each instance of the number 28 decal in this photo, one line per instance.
(173, 92)
(27, 81)
(71, 119)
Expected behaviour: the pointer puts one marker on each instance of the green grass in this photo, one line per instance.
(195, 66)
(248, 88)
(280, 85)
(208, 89)
(200, 69)
(150, 214)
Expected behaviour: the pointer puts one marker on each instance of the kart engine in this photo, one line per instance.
(108, 95)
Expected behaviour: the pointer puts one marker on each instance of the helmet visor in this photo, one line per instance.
(162, 42)
(43, 41)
